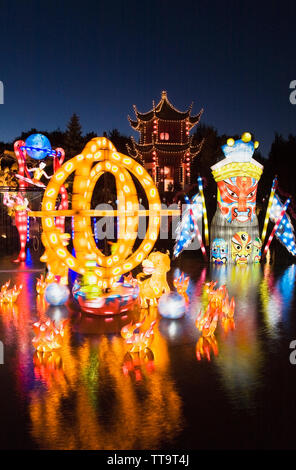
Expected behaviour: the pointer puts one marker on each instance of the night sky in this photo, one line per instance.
(234, 59)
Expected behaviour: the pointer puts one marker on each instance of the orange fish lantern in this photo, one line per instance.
(41, 285)
(127, 331)
(136, 339)
(4, 287)
(206, 322)
(217, 296)
(9, 296)
(210, 286)
(48, 336)
(181, 285)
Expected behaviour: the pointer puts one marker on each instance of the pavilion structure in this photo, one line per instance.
(165, 146)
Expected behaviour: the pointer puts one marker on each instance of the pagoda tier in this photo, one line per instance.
(165, 146)
(165, 151)
(165, 111)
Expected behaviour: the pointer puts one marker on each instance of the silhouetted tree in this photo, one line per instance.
(119, 140)
(73, 137)
(209, 155)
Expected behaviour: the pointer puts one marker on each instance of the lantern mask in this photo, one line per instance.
(241, 247)
(238, 198)
(257, 245)
(219, 251)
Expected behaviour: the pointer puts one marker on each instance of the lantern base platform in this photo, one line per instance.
(120, 299)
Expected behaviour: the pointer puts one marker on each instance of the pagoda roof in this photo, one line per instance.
(137, 150)
(165, 111)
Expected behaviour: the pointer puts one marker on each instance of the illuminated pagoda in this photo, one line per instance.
(165, 146)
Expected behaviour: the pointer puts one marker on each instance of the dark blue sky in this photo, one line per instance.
(98, 58)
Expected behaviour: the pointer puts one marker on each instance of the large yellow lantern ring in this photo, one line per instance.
(100, 156)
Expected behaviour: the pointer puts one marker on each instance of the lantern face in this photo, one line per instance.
(241, 248)
(235, 221)
(219, 251)
(238, 198)
(257, 246)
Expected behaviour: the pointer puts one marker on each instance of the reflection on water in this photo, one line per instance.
(95, 393)
(276, 297)
(90, 403)
(240, 352)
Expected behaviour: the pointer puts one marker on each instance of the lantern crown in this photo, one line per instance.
(238, 159)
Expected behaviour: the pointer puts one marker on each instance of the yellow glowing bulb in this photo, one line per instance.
(246, 137)
(59, 175)
(230, 142)
(256, 144)
(70, 262)
(69, 167)
(50, 192)
(116, 271)
(49, 222)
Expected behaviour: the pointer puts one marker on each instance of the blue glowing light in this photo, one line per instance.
(56, 294)
(28, 229)
(172, 305)
(38, 146)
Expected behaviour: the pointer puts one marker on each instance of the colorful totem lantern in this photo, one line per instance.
(235, 224)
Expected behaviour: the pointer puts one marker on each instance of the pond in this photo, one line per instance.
(236, 392)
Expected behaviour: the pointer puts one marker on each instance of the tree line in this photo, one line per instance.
(279, 161)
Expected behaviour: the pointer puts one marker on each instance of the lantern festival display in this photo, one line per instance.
(99, 290)
(234, 229)
(234, 233)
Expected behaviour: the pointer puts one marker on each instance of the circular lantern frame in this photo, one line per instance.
(100, 156)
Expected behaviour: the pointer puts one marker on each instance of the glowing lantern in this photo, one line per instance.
(181, 285)
(157, 264)
(172, 305)
(86, 177)
(48, 337)
(246, 137)
(237, 177)
(56, 294)
(38, 146)
(136, 339)
(9, 296)
(41, 285)
(218, 306)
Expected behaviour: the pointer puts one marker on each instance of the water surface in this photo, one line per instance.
(91, 395)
